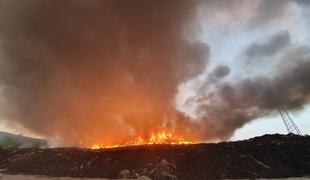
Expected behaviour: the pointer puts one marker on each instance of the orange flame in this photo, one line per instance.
(162, 137)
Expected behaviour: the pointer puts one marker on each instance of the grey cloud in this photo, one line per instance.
(269, 12)
(303, 2)
(221, 71)
(269, 46)
(235, 103)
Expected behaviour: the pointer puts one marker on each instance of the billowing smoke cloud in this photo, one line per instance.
(224, 105)
(105, 70)
(96, 71)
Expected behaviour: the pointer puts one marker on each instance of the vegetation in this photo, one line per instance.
(8, 141)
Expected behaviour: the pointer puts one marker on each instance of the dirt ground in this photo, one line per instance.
(268, 156)
(29, 177)
(25, 177)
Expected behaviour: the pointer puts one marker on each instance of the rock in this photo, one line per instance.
(124, 173)
(149, 165)
(144, 178)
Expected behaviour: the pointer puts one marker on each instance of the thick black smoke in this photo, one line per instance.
(101, 71)
(98, 70)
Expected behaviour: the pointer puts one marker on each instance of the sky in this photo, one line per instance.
(78, 72)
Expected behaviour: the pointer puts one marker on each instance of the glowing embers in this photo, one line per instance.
(161, 137)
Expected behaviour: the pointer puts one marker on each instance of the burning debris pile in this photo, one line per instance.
(162, 137)
(267, 156)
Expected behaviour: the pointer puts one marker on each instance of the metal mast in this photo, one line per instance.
(288, 121)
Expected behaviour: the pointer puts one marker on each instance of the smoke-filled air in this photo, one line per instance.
(107, 71)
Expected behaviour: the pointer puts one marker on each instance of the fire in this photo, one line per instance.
(162, 137)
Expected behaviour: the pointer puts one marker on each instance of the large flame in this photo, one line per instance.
(161, 137)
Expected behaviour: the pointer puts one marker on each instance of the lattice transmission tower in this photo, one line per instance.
(288, 121)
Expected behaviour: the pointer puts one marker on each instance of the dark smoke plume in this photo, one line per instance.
(97, 70)
(102, 71)
(231, 103)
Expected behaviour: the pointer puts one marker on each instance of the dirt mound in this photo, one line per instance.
(268, 156)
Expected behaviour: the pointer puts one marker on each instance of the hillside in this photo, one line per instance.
(268, 156)
(8, 140)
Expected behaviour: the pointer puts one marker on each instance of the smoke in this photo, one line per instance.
(225, 103)
(276, 43)
(102, 71)
(96, 71)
